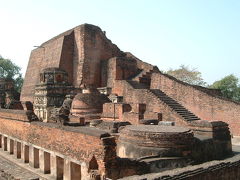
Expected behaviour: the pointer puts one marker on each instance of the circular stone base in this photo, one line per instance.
(147, 140)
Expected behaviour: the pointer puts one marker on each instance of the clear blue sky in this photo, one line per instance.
(201, 33)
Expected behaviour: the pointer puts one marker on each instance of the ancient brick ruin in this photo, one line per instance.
(90, 111)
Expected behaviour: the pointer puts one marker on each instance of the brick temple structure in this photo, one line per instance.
(90, 111)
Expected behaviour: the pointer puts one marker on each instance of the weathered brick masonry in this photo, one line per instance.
(82, 144)
(78, 51)
(91, 112)
(203, 103)
(228, 169)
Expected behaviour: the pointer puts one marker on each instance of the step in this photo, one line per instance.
(192, 119)
(160, 94)
(189, 116)
(172, 103)
(166, 98)
(178, 108)
(146, 76)
(185, 114)
(185, 117)
(137, 85)
(143, 81)
(175, 104)
(169, 101)
(157, 91)
(184, 111)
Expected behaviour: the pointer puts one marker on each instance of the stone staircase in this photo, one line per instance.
(174, 105)
(177, 107)
(144, 77)
(137, 85)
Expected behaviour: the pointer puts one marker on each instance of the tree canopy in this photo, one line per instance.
(229, 87)
(9, 70)
(188, 75)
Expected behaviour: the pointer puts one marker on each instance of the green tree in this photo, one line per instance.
(9, 70)
(188, 75)
(229, 87)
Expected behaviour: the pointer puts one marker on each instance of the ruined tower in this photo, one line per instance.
(79, 51)
(90, 111)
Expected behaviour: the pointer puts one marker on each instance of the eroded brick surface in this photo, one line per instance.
(206, 105)
(112, 92)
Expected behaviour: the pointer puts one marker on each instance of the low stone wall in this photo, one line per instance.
(228, 169)
(18, 115)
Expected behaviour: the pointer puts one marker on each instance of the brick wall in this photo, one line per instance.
(204, 104)
(111, 111)
(47, 56)
(111, 72)
(140, 63)
(118, 87)
(118, 68)
(66, 61)
(96, 48)
(153, 104)
(78, 51)
(81, 144)
(18, 115)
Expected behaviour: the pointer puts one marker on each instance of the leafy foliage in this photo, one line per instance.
(229, 87)
(188, 75)
(9, 70)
